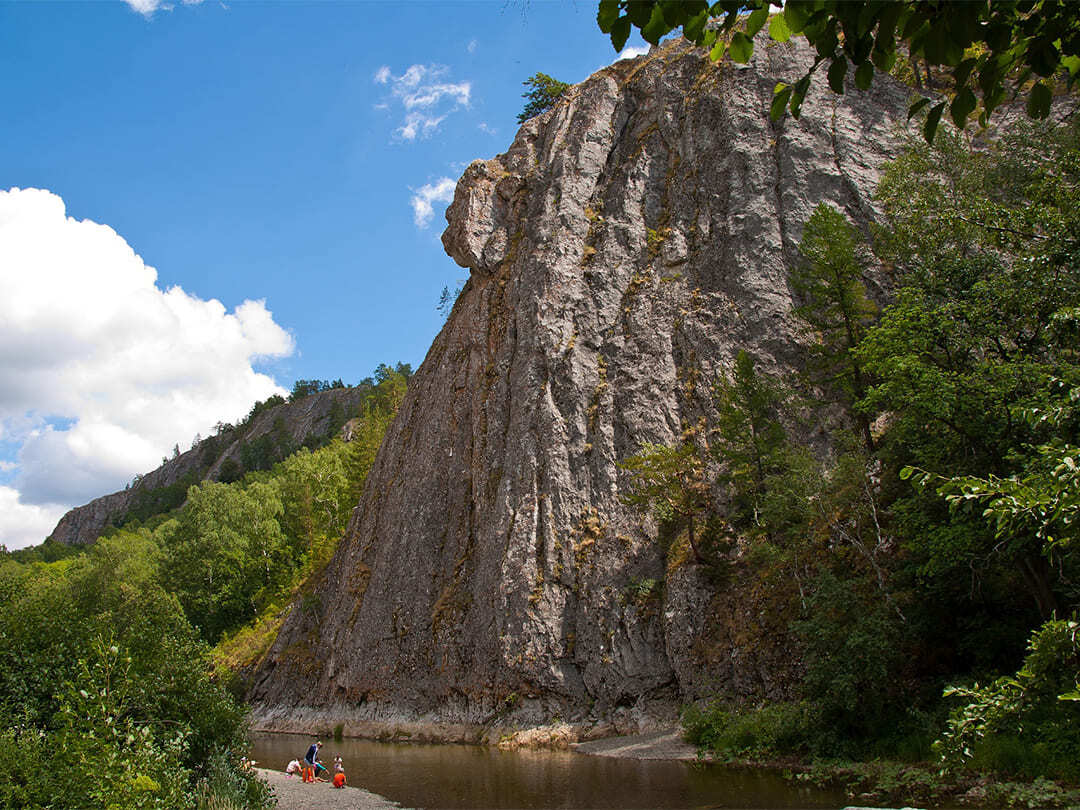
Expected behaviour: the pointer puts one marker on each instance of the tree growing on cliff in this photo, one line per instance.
(835, 306)
(543, 93)
(748, 440)
(989, 47)
(671, 480)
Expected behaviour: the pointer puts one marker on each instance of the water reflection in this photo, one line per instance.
(453, 777)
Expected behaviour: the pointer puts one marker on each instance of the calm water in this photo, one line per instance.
(442, 777)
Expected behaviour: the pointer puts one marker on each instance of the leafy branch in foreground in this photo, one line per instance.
(989, 47)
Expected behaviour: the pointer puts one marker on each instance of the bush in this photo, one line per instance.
(773, 730)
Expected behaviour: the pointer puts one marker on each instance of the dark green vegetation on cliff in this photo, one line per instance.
(966, 384)
(107, 689)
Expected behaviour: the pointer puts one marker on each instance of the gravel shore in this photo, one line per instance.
(661, 745)
(294, 794)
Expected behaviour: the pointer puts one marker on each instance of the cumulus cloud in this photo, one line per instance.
(442, 190)
(631, 52)
(101, 370)
(424, 96)
(24, 524)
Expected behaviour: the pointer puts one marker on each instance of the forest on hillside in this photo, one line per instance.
(112, 690)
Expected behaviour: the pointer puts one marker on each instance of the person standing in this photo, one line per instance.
(311, 760)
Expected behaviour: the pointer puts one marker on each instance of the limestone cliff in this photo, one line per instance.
(212, 459)
(622, 251)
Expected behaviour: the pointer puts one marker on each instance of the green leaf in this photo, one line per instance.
(741, 48)
(914, 108)
(1043, 56)
(757, 20)
(656, 27)
(694, 29)
(883, 59)
(905, 474)
(781, 94)
(864, 75)
(932, 120)
(717, 52)
(779, 31)
(620, 32)
(837, 70)
(797, 13)
(607, 14)
(1038, 105)
(963, 105)
(798, 94)
(640, 12)
(962, 71)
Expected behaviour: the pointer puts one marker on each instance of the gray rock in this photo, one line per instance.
(622, 251)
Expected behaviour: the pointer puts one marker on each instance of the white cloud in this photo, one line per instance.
(418, 124)
(424, 96)
(487, 130)
(631, 52)
(24, 524)
(148, 7)
(442, 190)
(471, 47)
(101, 370)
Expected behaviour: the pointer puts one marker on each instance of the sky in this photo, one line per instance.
(202, 202)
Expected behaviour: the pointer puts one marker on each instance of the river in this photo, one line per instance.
(462, 777)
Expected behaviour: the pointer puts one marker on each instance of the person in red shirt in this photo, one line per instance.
(339, 779)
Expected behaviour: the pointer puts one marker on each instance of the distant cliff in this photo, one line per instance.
(272, 431)
(626, 246)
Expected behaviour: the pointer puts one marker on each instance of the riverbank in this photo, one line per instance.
(295, 794)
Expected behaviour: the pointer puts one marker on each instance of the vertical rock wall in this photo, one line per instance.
(622, 251)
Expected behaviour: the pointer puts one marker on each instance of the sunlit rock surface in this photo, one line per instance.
(622, 251)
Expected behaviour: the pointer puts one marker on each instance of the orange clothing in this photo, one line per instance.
(339, 780)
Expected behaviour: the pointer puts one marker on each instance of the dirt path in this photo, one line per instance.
(294, 794)
(662, 745)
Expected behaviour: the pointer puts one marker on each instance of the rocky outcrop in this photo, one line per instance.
(622, 251)
(212, 459)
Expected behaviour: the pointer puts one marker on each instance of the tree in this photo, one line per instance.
(748, 439)
(989, 47)
(225, 554)
(981, 335)
(835, 306)
(543, 93)
(673, 480)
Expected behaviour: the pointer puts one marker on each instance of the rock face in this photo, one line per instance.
(622, 251)
(293, 422)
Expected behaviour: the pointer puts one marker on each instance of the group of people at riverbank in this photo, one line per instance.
(311, 767)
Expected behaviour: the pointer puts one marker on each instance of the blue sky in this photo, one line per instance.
(231, 196)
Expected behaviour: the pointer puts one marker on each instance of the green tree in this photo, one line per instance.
(1038, 707)
(671, 480)
(543, 92)
(984, 245)
(748, 440)
(988, 47)
(829, 281)
(226, 554)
